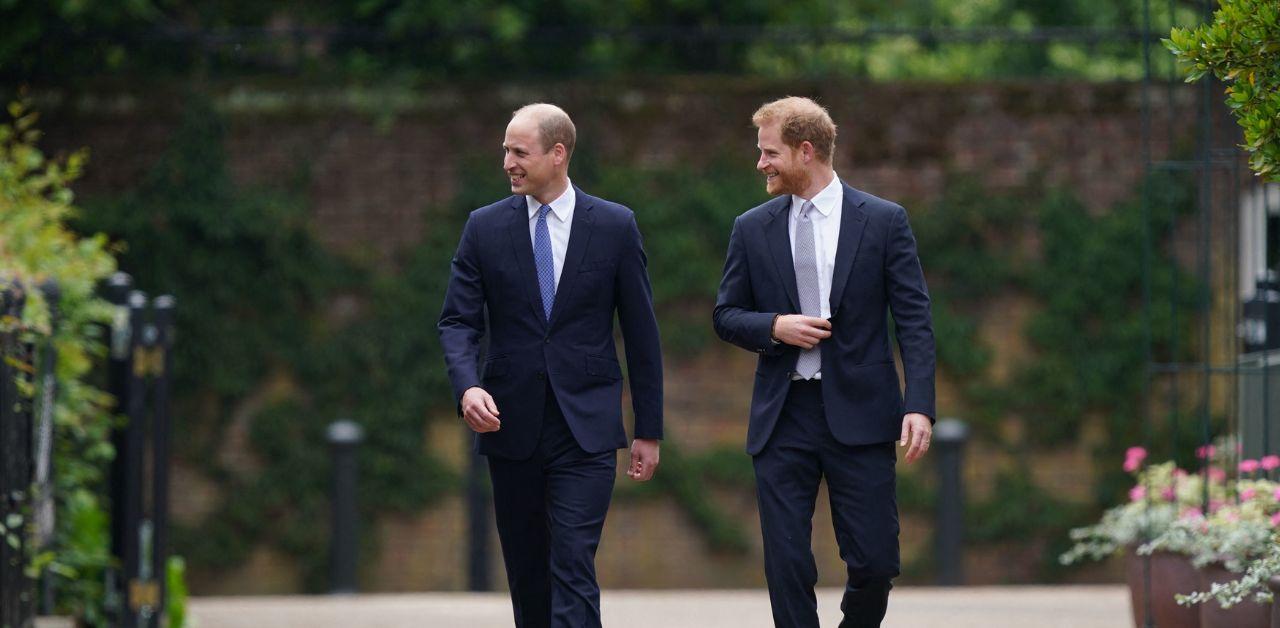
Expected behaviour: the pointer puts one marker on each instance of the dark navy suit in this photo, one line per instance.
(558, 388)
(842, 426)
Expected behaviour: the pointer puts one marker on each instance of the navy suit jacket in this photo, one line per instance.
(604, 272)
(876, 271)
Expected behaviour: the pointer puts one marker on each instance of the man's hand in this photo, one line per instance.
(801, 331)
(479, 410)
(644, 459)
(916, 431)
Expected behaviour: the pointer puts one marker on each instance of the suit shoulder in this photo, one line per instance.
(607, 212)
(493, 210)
(762, 211)
(878, 208)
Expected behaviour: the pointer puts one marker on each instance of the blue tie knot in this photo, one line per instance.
(543, 211)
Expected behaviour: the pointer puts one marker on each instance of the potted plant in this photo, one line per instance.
(1237, 549)
(1161, 495)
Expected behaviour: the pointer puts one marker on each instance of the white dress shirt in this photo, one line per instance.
(559, 224)
(826, 235)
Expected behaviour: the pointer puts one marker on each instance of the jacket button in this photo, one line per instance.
(546, 340)
(542, 375)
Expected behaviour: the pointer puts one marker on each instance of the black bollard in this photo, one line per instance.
(344, 437)
(949, 437)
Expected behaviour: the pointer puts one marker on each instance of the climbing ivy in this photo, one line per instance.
(264, 355)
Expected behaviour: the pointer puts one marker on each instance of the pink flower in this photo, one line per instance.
(1248, 493)
(1231, 516)
(1168, 494)
(1179, 473)
(1137, 493)
(1216, 505)
(1270, 463)
(1275, 520)
(1217, 475)
(1277, 494)
(1205, 451)
(1248, 466)
(1133, 460)
(1190, 513)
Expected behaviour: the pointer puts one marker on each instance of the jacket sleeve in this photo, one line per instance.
(640, 335)
(461, 323)
(735, 317)
(909, 303)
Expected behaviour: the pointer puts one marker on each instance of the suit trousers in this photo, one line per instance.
(861, 486)
(550, 510)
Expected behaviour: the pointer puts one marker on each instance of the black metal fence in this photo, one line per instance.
(17, 591)
(138, 375)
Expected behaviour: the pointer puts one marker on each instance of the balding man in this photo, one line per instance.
(552, 265)
(808, 281)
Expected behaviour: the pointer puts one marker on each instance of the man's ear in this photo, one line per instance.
(562, 154)
(806, 151)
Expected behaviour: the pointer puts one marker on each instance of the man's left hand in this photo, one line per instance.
(644, 459)
(916, 432)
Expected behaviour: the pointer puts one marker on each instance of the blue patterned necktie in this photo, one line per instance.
(545, 261)
(806, 262)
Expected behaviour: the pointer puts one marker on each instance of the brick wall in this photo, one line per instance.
(371, 161)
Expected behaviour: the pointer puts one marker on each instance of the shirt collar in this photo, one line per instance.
(561, 208)
(824, 201)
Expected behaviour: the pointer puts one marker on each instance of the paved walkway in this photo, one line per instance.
(973, 607)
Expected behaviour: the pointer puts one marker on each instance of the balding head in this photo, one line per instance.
(554, 125)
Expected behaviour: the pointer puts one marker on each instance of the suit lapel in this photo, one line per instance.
(780, 246)
(852, 223)
(522, 244)
(579, 237)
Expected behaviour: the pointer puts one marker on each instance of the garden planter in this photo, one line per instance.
(1275, 602)
(1247, 614)
(1170, 574)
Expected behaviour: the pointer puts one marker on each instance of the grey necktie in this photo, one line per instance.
(806, 261)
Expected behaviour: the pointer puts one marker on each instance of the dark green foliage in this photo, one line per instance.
(254, 292)
(686, 215)
(36, 245)
(1241, 47)
(376, 41)
(1019, 512)
(1082, 268)
(685, 480)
